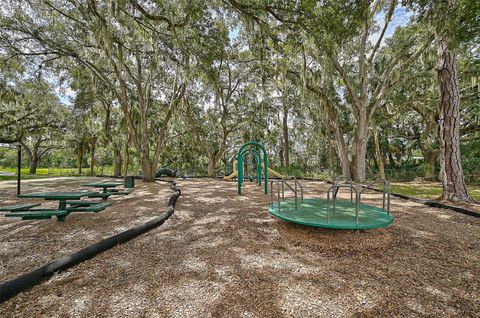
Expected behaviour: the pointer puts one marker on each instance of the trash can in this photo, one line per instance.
(129, 182)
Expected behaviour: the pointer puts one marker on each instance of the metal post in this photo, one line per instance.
(278, 197)
(328, 206)
(19, 168)
(351, 191)
(271, 193)
(357, 206)
(283, 190)
(334, 201)
(383, 201)
(388, 199)
(296, 205)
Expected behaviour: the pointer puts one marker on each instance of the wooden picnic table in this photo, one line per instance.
(61, 197)
(105, 185)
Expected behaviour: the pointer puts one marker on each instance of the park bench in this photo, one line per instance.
(81, 203)
(88, 207)
(38, 214)
(126, 191)
(41, 214)
(19, 207)
(103, 195)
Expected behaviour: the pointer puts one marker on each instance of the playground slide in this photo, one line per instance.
(230, 177)
(234, 173)
(275, 174)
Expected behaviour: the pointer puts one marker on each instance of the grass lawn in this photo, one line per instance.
(49, 172)
(428, 190)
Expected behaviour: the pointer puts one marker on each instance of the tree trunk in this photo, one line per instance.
(379, 157)
(80, 158)
(339, 138)
(342, 152)
(454, 187)
(212, 165)
(92, 155)
(33, 156)
(33, 163)
(117, 153)
(281, 153)
(127, 156)
(361, 147)
(430, 158)
(148, 170)
(286, 146)
(332, 166)
(430, 154)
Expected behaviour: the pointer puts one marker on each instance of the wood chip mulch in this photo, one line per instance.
(223, 255)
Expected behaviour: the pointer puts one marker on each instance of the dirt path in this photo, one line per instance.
(223, 255)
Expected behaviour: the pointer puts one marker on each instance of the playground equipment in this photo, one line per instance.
(332, 213)
(276, 174)
(257, 151)
(234, 173)
(165, 171)
(259, 154)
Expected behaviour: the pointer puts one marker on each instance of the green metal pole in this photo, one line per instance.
(240, 158)
(265, 164)
(240, 173)
(19, 168)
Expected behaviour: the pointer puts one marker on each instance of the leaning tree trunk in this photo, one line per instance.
(379, 157)
(342, 152)
(339, 139)
(286, 146)
(453, 182)
(361, 147)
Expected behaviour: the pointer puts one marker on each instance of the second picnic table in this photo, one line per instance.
(26, 213)
(106, 186)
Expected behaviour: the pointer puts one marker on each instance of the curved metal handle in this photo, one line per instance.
(278, 193)
(386, 192)
(334, 197)
(297, 183)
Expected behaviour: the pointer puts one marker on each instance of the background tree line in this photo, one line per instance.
(326, 86)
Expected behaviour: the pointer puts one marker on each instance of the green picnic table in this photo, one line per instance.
(106, 186)
(108, 189)
(61, 197)
(26, 213)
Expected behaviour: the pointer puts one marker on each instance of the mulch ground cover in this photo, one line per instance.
(224, 255)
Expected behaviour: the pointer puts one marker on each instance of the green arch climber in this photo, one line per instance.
(253, 148)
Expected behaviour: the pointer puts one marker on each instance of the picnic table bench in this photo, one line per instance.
(18, 207)
(97, 207)
(38, 214)
(65, 206)
(108, 189)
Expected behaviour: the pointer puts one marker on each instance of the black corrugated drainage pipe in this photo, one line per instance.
(15, 286)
